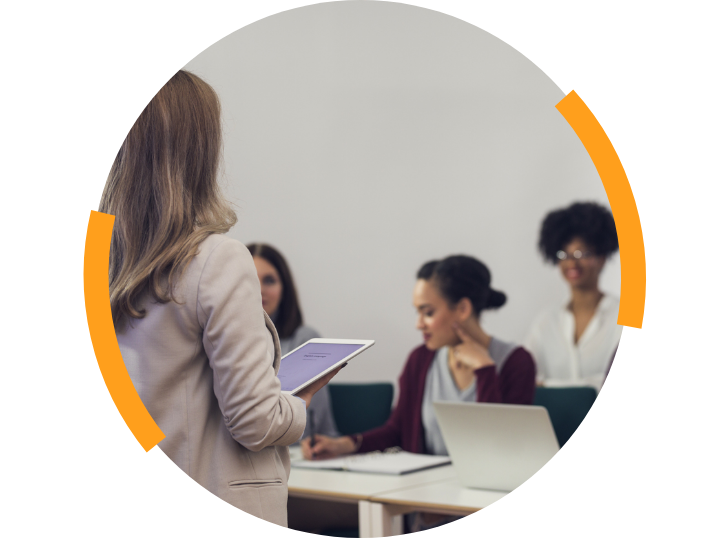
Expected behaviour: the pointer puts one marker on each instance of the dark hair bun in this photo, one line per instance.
(496, 299)
(459, 277)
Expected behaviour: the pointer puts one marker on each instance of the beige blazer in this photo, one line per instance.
(206, 371)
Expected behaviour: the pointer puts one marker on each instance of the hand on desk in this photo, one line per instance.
(327, 447)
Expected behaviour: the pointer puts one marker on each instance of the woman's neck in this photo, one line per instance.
(472, 327)
(585, 299)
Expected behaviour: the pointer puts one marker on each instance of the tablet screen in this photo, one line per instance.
(310, 360)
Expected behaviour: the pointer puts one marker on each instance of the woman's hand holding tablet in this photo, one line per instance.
(310, 390)
(315, 362)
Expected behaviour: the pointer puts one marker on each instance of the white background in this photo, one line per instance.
(363, 139)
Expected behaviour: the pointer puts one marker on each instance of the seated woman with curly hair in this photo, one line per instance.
(573, 344)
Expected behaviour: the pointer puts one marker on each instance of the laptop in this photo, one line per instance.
(496, 446)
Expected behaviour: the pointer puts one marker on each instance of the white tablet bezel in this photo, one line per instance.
(365, 345)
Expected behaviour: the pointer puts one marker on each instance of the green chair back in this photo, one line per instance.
(567, 407)
(358, 407)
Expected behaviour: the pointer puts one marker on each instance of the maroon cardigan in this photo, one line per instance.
(514, 384)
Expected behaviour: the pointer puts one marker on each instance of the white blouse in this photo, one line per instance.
(562, 363)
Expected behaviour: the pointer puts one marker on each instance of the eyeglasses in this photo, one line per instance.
(576, 255)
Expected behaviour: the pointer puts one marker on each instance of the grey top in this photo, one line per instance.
(441, 387)
(320, 405)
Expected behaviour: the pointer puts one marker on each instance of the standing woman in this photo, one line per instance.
(185, 300)
(280, 302)
(574, 343)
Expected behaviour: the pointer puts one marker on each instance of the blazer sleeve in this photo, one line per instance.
(237, 343)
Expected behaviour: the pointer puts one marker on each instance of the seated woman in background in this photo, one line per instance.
(279, 301)
(574, 343)
(458, 361)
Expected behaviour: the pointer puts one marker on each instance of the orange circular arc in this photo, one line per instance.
(624, 208)
(103, 334)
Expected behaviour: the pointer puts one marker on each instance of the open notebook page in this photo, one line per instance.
(377, 462)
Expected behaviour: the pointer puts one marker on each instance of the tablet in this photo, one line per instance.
(315, 358)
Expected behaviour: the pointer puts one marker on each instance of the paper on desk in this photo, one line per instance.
(377, 462)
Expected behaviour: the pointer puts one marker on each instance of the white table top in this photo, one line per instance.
(448, 495)
(358, 486)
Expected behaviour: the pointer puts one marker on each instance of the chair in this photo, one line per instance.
(567, 407)
(358, 407)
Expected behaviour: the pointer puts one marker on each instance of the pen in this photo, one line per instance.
(311, 419)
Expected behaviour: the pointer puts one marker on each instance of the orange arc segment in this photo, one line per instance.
(103, 334)
(621, 199)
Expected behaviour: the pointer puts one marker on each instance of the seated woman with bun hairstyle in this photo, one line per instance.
(574, 343)
(458, 362)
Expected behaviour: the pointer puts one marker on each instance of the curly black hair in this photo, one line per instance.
(593, 223)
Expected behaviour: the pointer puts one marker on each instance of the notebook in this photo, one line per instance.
(388, 462)
(496, 446)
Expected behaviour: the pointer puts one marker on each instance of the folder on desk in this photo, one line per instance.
(400, 462)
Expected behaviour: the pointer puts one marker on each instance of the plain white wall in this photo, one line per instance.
(363, 139)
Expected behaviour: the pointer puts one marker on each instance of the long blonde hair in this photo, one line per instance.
(163, 191)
